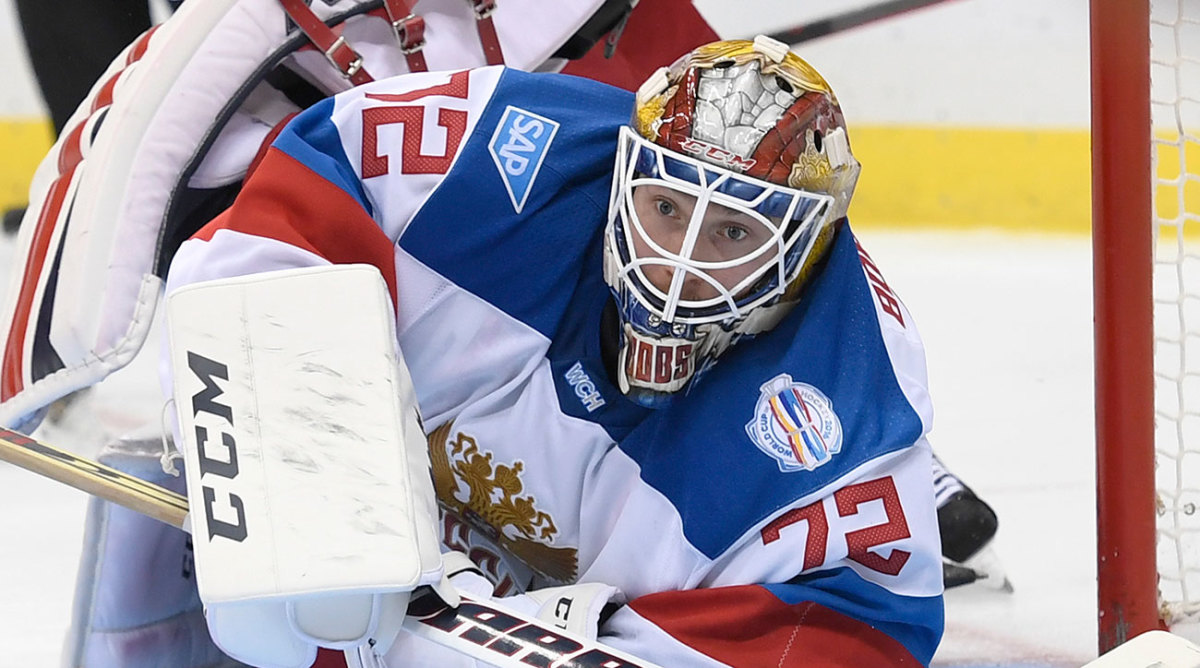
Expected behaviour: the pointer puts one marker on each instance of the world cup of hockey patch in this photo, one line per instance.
(795, 424)
(518, 148)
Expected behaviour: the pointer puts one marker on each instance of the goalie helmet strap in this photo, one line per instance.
(410, 32)
(487, 31)
(336, 49)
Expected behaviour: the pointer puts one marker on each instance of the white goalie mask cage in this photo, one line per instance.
(737, 127)
(790, 217)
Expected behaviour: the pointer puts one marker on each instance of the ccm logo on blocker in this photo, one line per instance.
(211, 414)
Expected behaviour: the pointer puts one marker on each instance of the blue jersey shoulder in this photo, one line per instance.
(313, 140)
(527, 197)
(780, 416)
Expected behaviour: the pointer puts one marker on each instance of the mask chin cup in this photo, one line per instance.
(653, 366)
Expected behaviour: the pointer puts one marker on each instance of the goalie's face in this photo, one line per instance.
(673, 237)
(696, 256)
(695, 243)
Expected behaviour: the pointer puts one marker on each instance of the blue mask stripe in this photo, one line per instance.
(775, 206)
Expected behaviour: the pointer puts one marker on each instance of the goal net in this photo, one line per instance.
(1175, 163)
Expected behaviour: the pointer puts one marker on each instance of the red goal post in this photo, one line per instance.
(1123, 302)
(1145, 60)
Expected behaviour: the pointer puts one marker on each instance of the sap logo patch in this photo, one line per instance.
(518, 148)
(795, 424)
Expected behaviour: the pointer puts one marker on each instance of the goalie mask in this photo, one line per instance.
(726, 194)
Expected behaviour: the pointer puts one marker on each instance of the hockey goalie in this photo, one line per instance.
(613, 360)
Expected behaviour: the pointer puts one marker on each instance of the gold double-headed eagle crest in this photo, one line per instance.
(487, 496)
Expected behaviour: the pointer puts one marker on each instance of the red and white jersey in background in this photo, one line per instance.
(165, 137)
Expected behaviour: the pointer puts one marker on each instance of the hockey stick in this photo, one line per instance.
(483, 630)
(847, 20)
(94, 478)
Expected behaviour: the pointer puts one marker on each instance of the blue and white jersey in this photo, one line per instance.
(780, 513)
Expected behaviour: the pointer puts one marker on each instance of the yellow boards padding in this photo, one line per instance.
(1028, 180)
(23, 143)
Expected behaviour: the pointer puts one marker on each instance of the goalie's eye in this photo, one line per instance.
(735, 232)
(665, 207)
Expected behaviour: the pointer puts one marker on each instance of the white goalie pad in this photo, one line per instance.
(307, 467)
(1152, 649)
(162, 144)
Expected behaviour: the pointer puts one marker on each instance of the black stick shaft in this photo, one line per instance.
(847, 20)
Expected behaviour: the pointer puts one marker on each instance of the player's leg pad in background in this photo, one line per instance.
(136, 604)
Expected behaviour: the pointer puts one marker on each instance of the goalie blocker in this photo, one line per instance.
(313, 507)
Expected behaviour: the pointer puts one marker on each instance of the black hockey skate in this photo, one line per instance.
(967, 526)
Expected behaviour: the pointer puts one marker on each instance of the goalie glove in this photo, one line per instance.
(579, 609)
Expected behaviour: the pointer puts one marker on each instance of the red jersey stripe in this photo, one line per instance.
(288, 202)
(748, 626)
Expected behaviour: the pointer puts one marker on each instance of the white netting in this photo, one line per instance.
(1175, 113)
